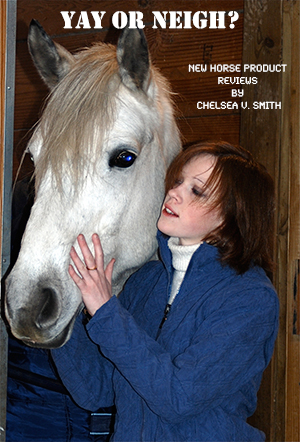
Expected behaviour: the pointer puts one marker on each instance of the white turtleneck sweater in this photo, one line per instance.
(181, 256)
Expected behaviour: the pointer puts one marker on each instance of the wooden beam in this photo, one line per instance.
(291, 143)
(261, 133)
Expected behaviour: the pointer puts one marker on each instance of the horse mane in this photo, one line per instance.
(82, 100)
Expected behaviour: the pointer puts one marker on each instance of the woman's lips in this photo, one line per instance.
(169, 211)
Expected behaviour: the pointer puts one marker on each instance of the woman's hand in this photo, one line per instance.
(93, 280)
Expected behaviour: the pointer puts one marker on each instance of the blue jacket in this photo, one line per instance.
(198, 380)
(36, 413)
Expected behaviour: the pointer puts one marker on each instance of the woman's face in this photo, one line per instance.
(186, 212)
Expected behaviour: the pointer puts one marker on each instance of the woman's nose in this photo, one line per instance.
(175, 192)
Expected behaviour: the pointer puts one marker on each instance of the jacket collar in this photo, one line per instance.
(204, 255)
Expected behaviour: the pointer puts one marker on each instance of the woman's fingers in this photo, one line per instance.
(109, 270)
(99, 258)
(91, 263)
(77, 261)
(93, 281)
(87, 254)
(74, 275)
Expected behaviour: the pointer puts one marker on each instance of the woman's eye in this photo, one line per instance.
(198, 192)
(122, 159)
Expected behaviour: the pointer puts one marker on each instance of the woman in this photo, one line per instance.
(182, 351)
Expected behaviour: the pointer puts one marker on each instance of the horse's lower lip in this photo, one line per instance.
(28, 341)
(56, 341)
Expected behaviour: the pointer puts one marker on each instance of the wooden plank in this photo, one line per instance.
(291, 139)
(260, 133)
(262, 45)
(213, 128)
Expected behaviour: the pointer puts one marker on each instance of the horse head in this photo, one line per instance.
(100, 151)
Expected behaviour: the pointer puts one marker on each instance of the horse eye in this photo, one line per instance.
(30, 155)
(122, 159)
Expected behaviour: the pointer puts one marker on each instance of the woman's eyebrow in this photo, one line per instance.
(199, 179)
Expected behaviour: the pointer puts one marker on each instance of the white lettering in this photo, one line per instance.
(200, 23)
(175, 17)
(187, 19)
(265, 67)
(237, 80)
(237, 93)
(216, 105)
(136, 20)
(217, 19)
(266, 105)
(161, 20)
(67, 16)
(197, 67)
(83, 21)
(225, 68)
(98, 19)
(119, 19)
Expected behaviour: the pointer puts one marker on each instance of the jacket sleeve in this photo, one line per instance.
(84, 371)
(229, 350)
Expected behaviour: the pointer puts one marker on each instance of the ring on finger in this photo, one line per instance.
(91, 268)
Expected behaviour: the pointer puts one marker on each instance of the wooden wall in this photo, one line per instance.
(290, 202)
(172, 50)
(260, 133)
(271, 36)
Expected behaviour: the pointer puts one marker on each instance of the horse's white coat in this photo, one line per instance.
(121, 205)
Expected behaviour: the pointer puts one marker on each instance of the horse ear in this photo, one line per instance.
(51, 59)
(133, 59)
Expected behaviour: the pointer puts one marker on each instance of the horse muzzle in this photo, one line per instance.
(41, 319)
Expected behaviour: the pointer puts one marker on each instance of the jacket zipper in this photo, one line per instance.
(168, 306)
(165, 317)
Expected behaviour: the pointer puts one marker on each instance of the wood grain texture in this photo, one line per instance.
(271, 35)
(261, 134)
(291, 143)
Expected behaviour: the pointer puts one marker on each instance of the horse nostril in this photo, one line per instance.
(49, 311)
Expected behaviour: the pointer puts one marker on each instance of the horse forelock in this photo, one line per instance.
(83, 100)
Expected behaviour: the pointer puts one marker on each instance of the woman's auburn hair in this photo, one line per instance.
(243, 192)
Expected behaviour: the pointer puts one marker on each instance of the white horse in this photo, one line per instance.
(100, 151)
